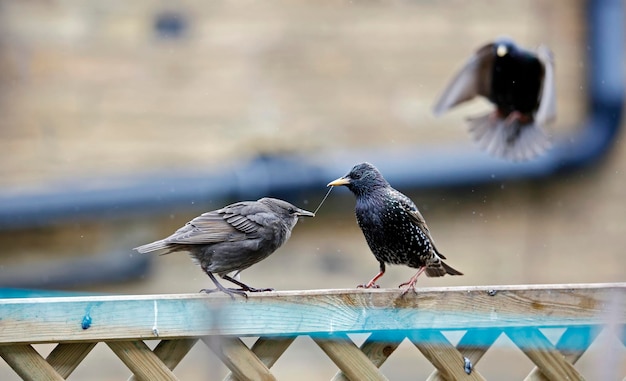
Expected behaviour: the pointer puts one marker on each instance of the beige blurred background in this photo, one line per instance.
(91, 90)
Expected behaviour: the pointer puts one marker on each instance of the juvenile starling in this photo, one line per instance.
(521, 86)
(233, 238)
(393, 226)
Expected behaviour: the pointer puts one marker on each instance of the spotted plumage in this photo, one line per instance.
(393, 227)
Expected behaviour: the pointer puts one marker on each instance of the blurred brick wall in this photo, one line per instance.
(91, 89)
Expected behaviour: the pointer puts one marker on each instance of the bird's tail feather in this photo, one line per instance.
(511, 140)
(441, 269)
(154, 246)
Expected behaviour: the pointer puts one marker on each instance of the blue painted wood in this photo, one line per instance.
(6, 293)
(316, 312)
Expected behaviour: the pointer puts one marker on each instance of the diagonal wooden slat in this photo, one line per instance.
(546, 357)
(348, 357)
(443, 355)
(473, 345)
(171, 352)
(65, 357)
(268, 350)
(572, 344)
(144, 364)
(241, 361)
(378, 347)
(28, 363)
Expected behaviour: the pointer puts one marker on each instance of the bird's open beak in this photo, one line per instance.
(304, 213)
(338, 182)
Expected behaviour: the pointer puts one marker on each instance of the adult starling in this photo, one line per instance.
(233, 238)
(521, 86)
(393, 226)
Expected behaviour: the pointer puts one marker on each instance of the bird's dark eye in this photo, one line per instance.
(291, 210)
(355, 176)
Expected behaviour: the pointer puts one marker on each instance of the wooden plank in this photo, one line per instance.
(572, 345)
(244, 364)
(293, 313)
(473, 345)
(443, 355)
(268, 350)
(28, 363)
(65, 357)
(144, 364)
(171, 352)
(348, 357)
(378, 347)
(545, 356)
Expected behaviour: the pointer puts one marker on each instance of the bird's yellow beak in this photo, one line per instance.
(338, 182)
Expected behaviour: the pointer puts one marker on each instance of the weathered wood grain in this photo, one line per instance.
(144, 364)
(378, 347)
(572, 344)
(268, 350)
(65, 357)
(443, 355)
(293, 313)
(241, 361)
(28, 363)
(541, 352)
(473, 345)
(171, 352)
(348, 357)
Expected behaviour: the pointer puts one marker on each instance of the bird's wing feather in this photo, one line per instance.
(473, 79)
(242, 223)
(547, 107)
(419, 220)
(231, 223)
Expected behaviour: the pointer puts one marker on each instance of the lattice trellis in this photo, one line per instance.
(328, 316)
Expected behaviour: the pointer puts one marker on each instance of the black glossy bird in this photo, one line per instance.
(233, 238)
(393, 226)
(521, 86)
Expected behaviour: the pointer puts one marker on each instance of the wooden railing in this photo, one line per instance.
(125, 323)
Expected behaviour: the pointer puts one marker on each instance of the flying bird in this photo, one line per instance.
(233, 238)
(393, 227)
(520, 84)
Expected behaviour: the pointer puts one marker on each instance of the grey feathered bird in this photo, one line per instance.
(233, 238)
(520, 84)
(392, 225)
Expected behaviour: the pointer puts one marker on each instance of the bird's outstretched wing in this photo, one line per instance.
(235, 222)
(473, 79)
(547, 106)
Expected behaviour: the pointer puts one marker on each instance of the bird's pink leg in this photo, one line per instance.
(517, 116)
(372, 283)
(411, 283)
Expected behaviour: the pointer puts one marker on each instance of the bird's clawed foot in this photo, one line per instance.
(410, 286)
(228, 291)
(368, 285)
(252, 289)
(372, 282)
(245, 287)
